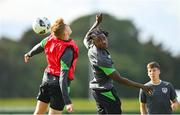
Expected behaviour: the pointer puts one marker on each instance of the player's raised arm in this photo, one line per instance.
(95, 25)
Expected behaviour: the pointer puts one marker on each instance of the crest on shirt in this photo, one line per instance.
(109, 56)
(164, 90)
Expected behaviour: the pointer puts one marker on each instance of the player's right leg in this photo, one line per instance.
(54, 112)
(56, 100)
(99, 103)
(107, 101)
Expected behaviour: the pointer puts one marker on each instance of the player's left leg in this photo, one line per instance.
(114, 107)
(43, 99)
(41, 108)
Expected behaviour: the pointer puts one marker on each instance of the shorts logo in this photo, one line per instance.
(164, 90)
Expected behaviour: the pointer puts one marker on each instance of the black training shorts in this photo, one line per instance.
(49, 92)
(107, 101)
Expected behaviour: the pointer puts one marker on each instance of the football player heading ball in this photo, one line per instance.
(61, 54)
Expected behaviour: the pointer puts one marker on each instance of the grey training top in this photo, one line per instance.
(159, 101)
(101, 66)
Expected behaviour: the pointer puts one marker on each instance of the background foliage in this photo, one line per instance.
(130, 56)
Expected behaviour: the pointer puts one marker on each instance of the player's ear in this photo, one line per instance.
(95, 42)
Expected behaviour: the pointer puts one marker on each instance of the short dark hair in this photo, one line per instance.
(153, 64)
(98, 31)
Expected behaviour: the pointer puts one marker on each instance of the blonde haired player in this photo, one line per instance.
(61, 55)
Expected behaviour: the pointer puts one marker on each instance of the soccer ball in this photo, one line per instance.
(41, 25)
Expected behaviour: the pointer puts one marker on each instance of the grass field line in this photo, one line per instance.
(80, 105)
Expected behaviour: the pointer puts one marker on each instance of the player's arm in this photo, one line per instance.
(143, 109)
(95, 25)
(173, 97)
(106, 66)
(64, 83)
(142, 101)
(174, 104)
(35, 50)
(118, 78)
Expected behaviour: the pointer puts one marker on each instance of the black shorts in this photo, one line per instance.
(49, 92)
(107, 101)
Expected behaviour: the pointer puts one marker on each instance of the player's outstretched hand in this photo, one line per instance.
(148, 89)
(26, 58)
(69, 108)
(174, 105)
(99, 18)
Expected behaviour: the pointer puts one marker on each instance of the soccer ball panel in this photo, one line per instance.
(41, 25)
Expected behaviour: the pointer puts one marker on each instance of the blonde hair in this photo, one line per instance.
(58, 28)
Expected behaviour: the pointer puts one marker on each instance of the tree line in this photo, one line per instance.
(130, 56)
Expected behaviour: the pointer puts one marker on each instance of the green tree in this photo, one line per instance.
(130, 57)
